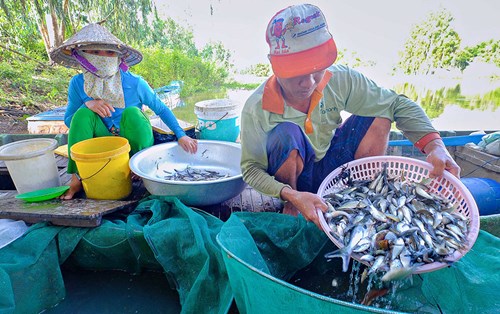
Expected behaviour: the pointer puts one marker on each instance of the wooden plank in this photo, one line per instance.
(475, 163)
(272, 204)
(278, 205)
(479, 158)
(256, 200)
(246, 200)
(249, 200)
(75, 212)
(78, 212)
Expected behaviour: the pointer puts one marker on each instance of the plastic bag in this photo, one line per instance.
(490, 143)
(490, 138)
(11, 230)
(493, 148)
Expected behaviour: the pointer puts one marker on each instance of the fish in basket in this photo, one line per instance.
(386, 213)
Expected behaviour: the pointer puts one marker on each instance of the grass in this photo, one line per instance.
(186, 113)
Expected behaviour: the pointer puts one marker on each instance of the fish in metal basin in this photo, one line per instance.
(188, 174)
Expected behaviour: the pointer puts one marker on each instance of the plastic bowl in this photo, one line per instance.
(43, 194)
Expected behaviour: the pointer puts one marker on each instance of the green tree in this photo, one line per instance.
(63, 18)
(432, 45)
(352, 59)
(136, 22)
(488, 51)
(172, 36)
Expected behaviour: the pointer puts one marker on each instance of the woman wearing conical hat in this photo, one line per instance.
(107, 99)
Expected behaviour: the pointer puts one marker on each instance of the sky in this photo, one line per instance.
(375, 30)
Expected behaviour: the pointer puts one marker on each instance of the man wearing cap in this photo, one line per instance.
(292, 133)
(106, 99)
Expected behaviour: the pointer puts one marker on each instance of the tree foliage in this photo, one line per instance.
(432, 45)
(160, 66)
(59, 19)
(259, 69)
(352, 59)
(488, 51)
(135, 22)
(169, 49)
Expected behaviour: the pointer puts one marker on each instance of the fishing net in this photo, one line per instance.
(262, 259)
(161, 234)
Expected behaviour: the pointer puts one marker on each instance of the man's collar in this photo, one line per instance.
(272, 98)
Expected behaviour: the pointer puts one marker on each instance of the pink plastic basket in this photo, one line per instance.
(414, 170)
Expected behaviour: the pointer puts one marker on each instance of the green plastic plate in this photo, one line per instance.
(43, 194)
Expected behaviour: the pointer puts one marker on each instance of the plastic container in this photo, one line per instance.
(10, 230)
(31, 164)
(102, 164)
(410, 170)
(255, 290)
(486, 192)
(218, 119)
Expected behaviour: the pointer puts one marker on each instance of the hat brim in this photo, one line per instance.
(97, 37)
(304, 62)
(63, 55)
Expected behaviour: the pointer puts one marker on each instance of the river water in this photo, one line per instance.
(454, 106)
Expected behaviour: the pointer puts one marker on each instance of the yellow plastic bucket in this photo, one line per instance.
(102, 164)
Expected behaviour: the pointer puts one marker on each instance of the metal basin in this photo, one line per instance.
(219, 156)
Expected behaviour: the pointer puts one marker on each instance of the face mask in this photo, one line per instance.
(100, 66)
(102, 80)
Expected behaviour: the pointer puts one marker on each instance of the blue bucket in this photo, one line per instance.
(486, 193)
(218, 119)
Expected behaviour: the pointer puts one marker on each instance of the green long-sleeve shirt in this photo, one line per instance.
(346, 90)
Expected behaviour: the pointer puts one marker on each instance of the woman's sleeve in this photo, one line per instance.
(75, 100)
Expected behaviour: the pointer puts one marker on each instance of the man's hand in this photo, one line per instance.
(440, 158)
(99, 106)
(188, 144)
(306, 203)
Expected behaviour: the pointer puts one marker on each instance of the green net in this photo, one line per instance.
(268, 262)
(491, 224)
(161, 234)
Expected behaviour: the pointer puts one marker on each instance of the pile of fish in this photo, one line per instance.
(393, 225)
(190, 174)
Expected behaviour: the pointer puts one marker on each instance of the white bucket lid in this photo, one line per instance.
(27, 148)
(218, 105)
(217, 109)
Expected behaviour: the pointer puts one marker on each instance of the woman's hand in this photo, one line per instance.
(99, 106)
(188, 144)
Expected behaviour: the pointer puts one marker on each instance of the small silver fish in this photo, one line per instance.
(345, 253)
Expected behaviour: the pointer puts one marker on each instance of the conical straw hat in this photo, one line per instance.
(93, 36)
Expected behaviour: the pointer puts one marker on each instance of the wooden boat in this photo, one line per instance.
(84, 287)
(474, 164)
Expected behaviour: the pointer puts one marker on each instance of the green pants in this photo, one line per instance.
(86, 124)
